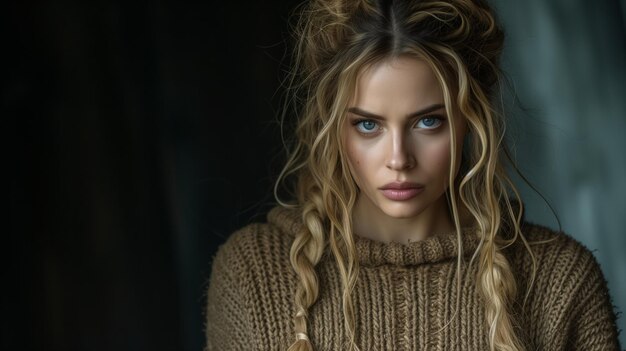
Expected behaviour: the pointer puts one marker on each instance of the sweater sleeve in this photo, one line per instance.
(593, 323)
(227, 321)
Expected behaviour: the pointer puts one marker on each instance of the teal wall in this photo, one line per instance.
(566, 65)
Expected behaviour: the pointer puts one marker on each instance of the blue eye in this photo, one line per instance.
(430, 122)
(366, 126)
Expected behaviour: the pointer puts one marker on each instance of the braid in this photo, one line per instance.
(306, 252)
(498, 288)
(498, 285)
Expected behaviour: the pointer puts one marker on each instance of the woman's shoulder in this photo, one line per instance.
(250, 288)
(551, 245)
(561, 261)
(260, 242)
(568, 297)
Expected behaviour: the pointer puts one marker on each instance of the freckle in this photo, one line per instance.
(358, 162)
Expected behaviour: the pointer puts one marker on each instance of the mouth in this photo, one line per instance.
(401, 191)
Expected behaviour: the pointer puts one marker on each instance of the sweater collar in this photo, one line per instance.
(436, 248)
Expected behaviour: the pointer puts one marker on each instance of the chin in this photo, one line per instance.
(404, 209)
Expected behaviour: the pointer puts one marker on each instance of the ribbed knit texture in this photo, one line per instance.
(405, 294)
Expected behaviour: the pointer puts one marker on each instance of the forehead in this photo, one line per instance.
(398, 83)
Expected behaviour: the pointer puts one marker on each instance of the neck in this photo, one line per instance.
(371, 222)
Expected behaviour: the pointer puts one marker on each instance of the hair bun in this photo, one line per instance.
(325, 26)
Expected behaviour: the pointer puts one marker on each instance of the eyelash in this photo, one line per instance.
(435, 117)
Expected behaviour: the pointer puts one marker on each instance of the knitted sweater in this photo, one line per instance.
(405, 294)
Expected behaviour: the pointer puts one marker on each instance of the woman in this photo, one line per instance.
(402, 234)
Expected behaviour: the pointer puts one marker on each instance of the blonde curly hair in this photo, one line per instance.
(461, 42)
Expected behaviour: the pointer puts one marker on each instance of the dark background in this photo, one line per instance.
(139, 135)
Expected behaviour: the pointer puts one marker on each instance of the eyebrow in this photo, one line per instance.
(363, 113)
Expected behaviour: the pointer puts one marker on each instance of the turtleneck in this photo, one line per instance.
(437, 247)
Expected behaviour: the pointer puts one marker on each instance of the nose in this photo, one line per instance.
(401, 156)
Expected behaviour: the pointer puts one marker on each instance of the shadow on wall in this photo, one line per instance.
(566, 59)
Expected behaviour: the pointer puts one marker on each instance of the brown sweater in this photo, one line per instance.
(404, 294)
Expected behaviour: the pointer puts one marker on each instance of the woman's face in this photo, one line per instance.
(397, 131)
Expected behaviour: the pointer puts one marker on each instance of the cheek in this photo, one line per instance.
(355, 160)
(434, 157)
(364, 161)
(355, 157)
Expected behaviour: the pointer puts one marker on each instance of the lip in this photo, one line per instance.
(401, 185)
(401, 191)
